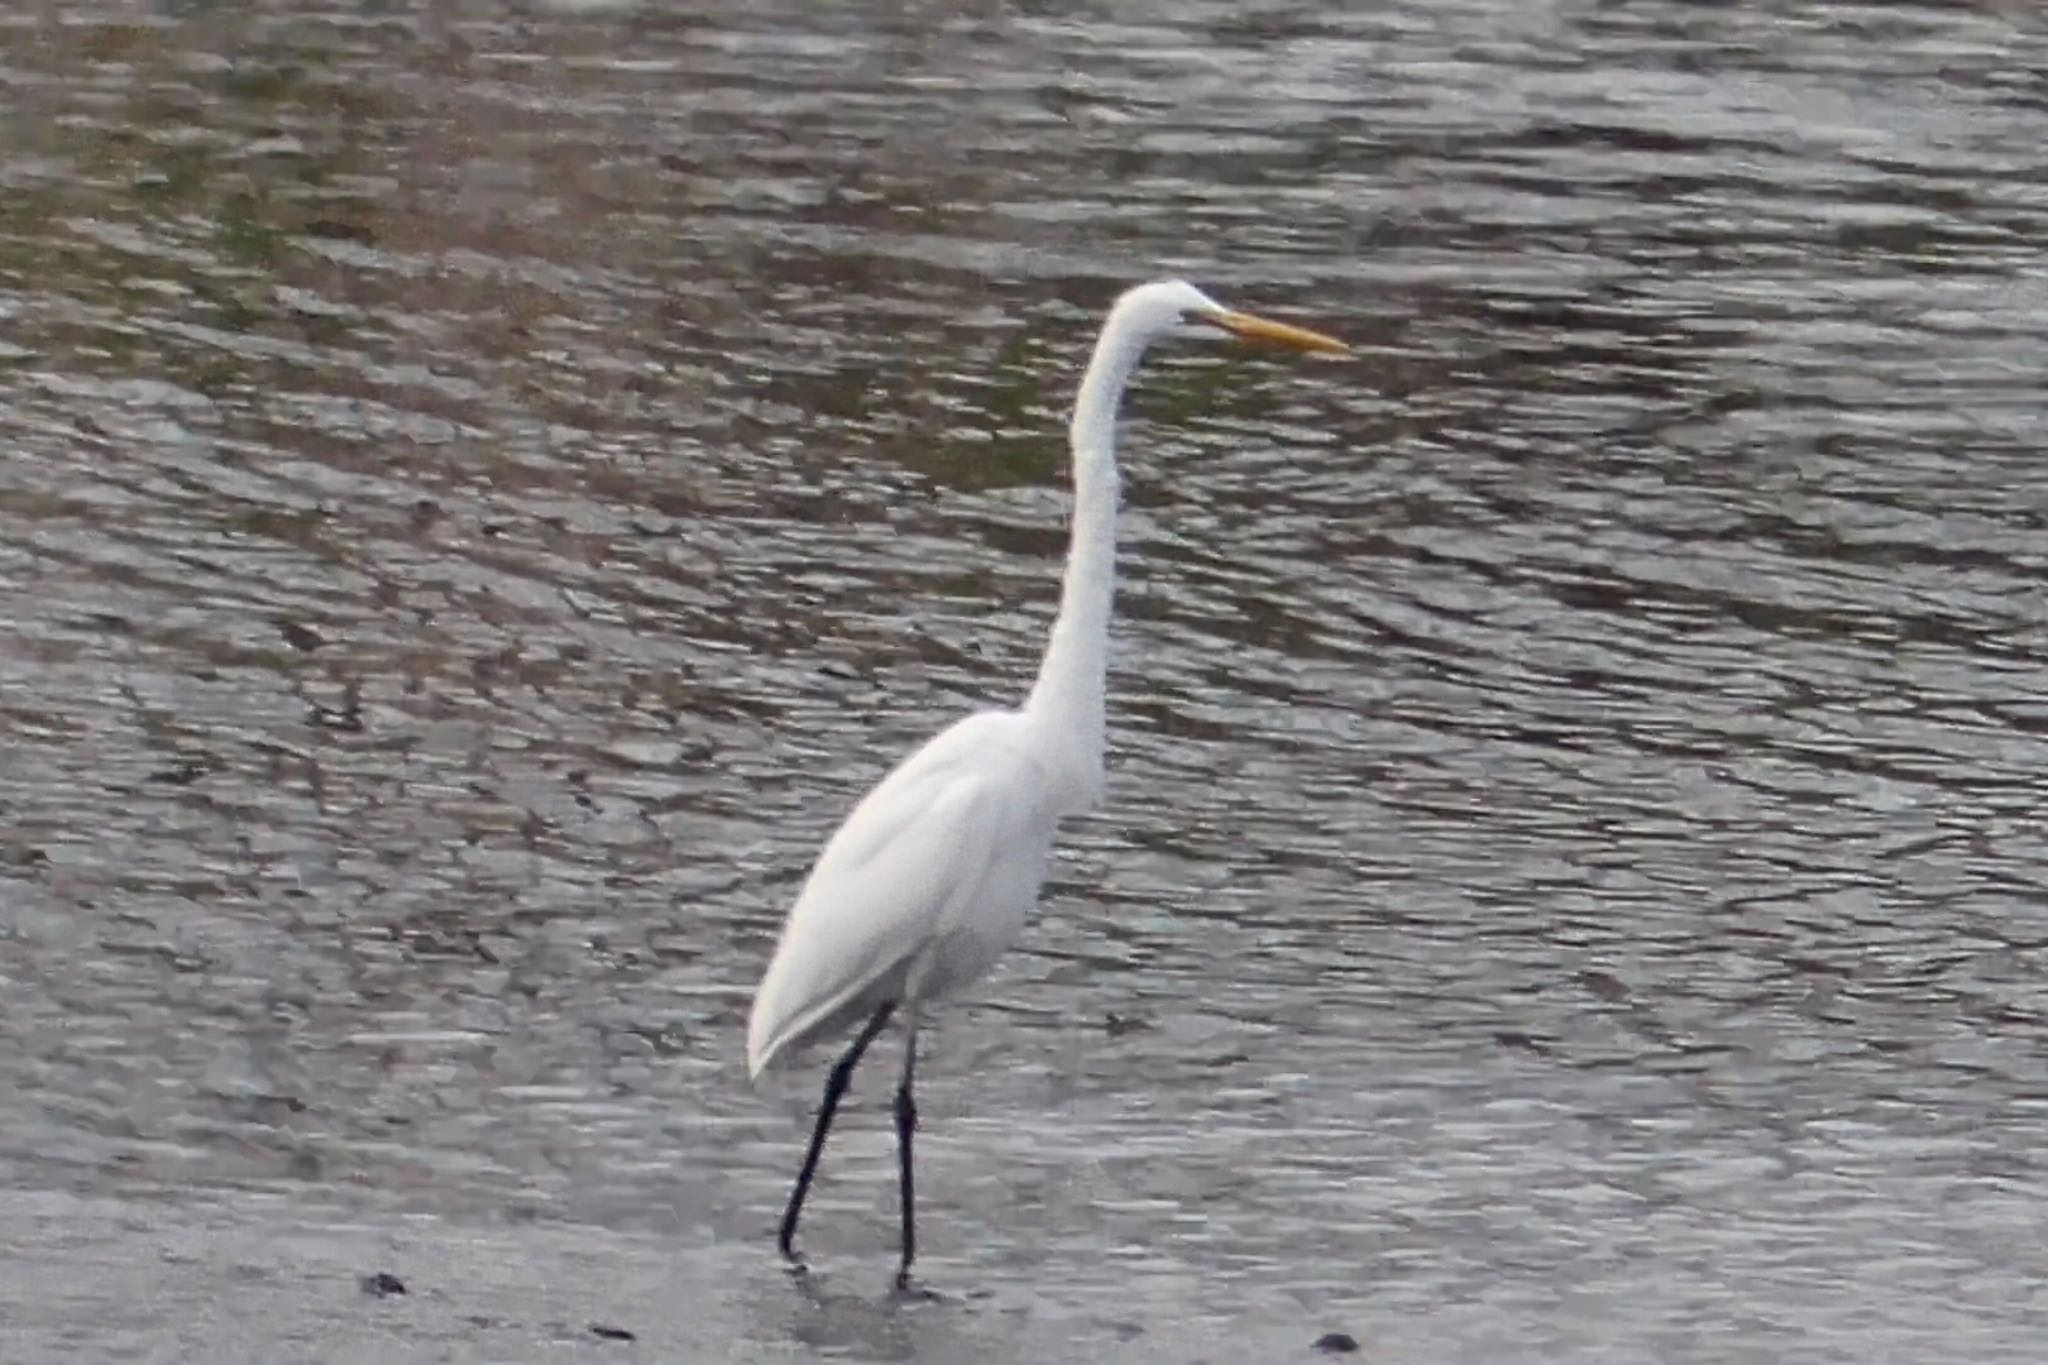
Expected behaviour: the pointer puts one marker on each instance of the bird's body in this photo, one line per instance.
(934, 873)
(920, 891)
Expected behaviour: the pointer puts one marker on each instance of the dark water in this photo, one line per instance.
(483, 487)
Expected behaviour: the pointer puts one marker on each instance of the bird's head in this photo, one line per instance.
(1169, 306)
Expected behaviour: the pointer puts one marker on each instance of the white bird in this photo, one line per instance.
(932, 875)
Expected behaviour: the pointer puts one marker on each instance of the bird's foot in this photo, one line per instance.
(909, 1290)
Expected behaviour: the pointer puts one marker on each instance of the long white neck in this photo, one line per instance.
(1067, 699)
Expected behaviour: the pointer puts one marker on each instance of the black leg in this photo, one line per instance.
(906, 1124)
(835, 1086)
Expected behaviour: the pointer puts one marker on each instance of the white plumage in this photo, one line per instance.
(919, 892)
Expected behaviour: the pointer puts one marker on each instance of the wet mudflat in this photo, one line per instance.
(483, 487)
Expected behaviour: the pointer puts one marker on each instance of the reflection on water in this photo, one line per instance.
(483, 488)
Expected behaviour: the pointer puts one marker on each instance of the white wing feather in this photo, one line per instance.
(919, 891)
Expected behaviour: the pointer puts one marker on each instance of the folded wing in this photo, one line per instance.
(922, 887)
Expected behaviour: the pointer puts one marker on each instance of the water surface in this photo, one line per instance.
(483, 489)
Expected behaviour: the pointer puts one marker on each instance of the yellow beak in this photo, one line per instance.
(1265, 329)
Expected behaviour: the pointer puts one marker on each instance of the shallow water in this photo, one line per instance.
(482, 489)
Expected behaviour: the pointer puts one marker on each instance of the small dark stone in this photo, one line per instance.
(182, 774)
(612, 1333)
(1336, 1343)
(382, 1285)
(300, 637)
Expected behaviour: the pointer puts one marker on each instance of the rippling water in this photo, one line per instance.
(483, 488)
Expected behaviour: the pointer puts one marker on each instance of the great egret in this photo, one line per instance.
(931, 877)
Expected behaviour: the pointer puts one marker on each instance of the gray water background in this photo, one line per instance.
(483, 487)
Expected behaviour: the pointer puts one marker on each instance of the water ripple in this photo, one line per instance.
(483, 492)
